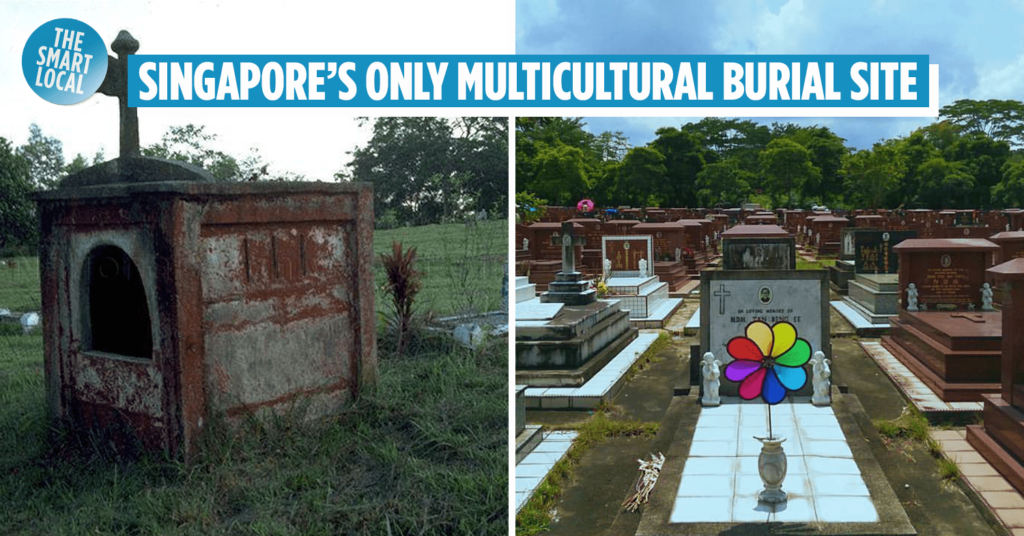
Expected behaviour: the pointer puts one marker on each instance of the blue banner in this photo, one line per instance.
(530, 81)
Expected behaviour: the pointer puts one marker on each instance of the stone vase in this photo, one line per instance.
(771, 465)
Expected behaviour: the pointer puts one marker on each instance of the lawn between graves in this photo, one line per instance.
(425, 452)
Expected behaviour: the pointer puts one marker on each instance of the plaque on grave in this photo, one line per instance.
(625, 252)
(964, 219)
(732, 299)
(947, 272)
(873, 251)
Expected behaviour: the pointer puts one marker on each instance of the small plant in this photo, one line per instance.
(403, 283)
(948, 469)
(910, 424)
(602, 289)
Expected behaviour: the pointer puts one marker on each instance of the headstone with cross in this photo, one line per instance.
(731, 301)
(569, 287)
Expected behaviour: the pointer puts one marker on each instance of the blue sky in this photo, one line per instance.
(978, 45)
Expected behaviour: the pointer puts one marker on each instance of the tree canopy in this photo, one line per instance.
(969, 158)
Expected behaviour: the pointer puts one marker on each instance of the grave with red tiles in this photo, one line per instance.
(1000, 439)
(941, 332)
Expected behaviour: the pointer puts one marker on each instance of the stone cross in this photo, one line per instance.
(568, 240)
(721, 293)
(115, 84)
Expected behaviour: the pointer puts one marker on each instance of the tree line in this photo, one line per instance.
(424, 170)
(970, 158)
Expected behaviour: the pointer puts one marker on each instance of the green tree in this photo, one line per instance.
(1009, 192)
(78, 164)
(18, 225)
(45, 157)
(872, 176)
(561, 174)
(723, 183)
(431, 169)
(983, 159)
(684, 159)
(640, 180)
(1000, 119)
(192, 144)
(827, 151)
(787, 170)
(945, 184)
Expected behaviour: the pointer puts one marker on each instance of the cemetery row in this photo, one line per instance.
(941, 283)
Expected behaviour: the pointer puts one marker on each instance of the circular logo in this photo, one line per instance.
(885, 237)
(64, 61)
(945, 261)
(625, 245)
(566, 240)
(764, 295)
(967, 231)
(658, 234)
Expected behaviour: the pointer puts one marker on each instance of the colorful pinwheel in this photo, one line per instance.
(768, 360)
(585, 205)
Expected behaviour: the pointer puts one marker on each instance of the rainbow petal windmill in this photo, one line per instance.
(585, 205)
(768, 361)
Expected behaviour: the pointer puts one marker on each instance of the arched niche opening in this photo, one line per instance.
(116, 312)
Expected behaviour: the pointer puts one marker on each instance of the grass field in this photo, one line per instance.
(463, 264)
(426, 452)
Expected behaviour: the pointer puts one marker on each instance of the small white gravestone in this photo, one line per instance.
(643, 267)
(710, 373)
(468, 335)
(679, 254)
(29, 321)
(607, 269)
(817, 240)
(986, 298)
(707, 241)
(911, 297)
(526, 244)
(5, 312)
(821, 374)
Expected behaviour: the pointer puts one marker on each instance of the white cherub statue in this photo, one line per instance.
(526, 243)
(679, 254)
(607, 272)
(911, 297)
(986, 298)
(710, 374)
(643, 267)
(821, 379)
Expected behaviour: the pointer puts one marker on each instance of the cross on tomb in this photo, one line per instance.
(977, 319)
(568, 240)
(115, 84)
(721, 293)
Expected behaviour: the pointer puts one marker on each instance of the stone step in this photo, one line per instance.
(879, 282)
(525, 292)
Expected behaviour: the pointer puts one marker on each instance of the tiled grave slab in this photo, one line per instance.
(822, 479)
(535, 466)
(923, 398)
